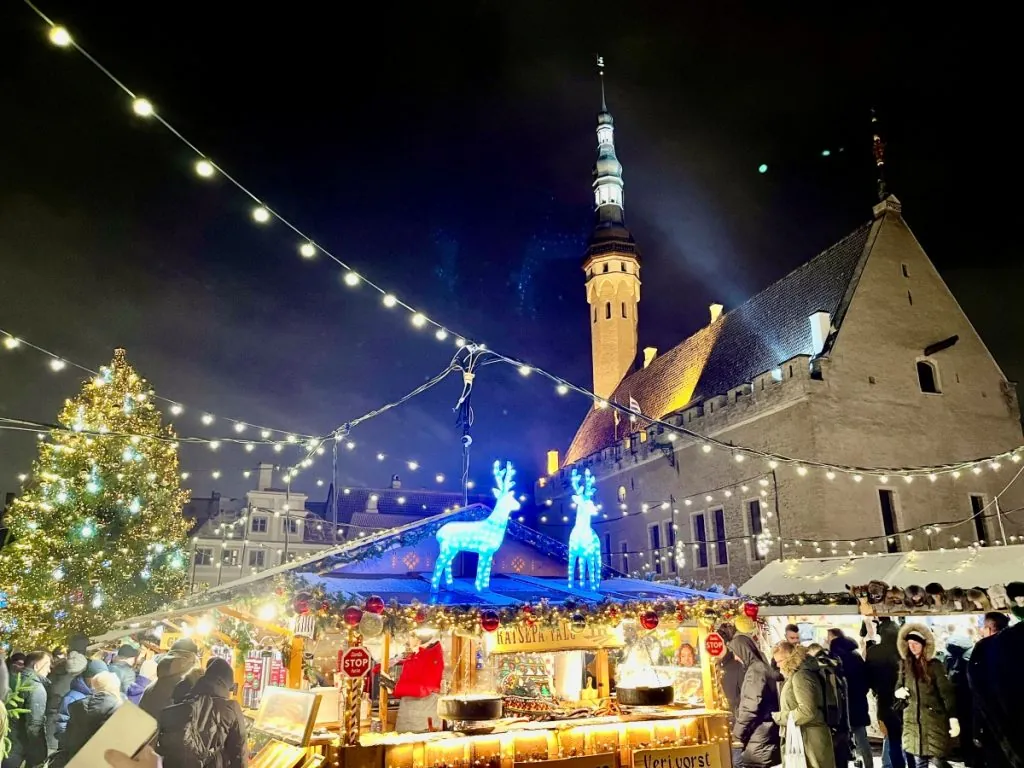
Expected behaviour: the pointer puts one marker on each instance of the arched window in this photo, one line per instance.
(622, 494)
(608, 310)
(623, 309)
(928, 377)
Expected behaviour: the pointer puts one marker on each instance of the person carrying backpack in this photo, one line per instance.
(837, 705)
(803, 699)
(207, 729)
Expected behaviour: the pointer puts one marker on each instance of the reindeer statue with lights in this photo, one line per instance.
(584, 543)
(481, 536)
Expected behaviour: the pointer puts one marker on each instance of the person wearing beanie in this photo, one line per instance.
(179, 665)
(87, 715)
(211, 712)
(61, 677)
(80, 688)
(123, 665)
(929, 716)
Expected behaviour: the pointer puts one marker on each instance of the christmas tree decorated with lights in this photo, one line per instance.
(98, 532)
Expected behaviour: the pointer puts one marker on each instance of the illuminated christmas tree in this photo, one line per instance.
(98, 533)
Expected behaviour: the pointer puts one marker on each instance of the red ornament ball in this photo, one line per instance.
(750, 610)
(375, 604)
(325, 606)
(649, 620)
(489, 621)
(352, 616)
(301, 604)
(420, 617)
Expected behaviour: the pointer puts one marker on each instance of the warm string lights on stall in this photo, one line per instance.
(309, 248)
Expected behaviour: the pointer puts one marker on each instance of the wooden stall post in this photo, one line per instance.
(604, 686)
(353, 694)
(382, 705)
(707, 673)
(298, 646)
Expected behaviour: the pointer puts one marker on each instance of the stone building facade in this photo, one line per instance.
(859, 358)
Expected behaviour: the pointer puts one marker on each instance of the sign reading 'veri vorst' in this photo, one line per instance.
(706, 756)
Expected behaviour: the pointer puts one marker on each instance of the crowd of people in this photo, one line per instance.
(55, 701)
(931, 706)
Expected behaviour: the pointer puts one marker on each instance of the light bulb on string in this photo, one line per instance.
(307, 250)
(351, 279)
(440, 334)
(207, 419)
(56, 364)
(389, 300)
(11, 342)
(260, 214)
(204, 168)
(142, 107)
(460, 343)
(562, 389)
(176, 410)
(418, 320)
(59, 36)
(525, 370)
(439, 478)
(265, 434)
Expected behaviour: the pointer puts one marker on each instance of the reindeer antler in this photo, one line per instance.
(590, 485)
(503, 478)
(577, 487)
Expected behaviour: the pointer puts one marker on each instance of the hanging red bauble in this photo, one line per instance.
(489, 621)
(649, 620)
(352, 616)
(420, 617)
(750, 610)
(528, 614)
(325, 606)
(301, 604)
(375, 604)
(613, 616)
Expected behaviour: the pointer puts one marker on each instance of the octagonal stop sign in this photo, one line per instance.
(715, 644)
(356, 662)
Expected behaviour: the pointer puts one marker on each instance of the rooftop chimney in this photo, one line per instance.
(821, 324)
(395, 482)
(716, 312)
(649, 354)
(266, 477)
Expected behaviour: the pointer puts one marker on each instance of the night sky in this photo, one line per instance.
(445, 150)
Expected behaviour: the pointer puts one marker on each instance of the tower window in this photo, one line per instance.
(623, 309)
(978, 514)
(906, 272)
(887, 501)
(700, 535)
(623, 265)
(595, 314)
(721, 542)
(928, 377)
(608, 310)
(605, 267)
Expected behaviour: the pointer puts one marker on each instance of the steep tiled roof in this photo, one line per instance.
(757, 336)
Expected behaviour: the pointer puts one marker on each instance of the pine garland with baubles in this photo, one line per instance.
(98, 533)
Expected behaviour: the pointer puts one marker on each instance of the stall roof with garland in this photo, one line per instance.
(789, 583)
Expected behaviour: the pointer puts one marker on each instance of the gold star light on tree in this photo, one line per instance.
(98, 533)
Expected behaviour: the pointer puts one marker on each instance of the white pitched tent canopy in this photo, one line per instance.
(965, 568)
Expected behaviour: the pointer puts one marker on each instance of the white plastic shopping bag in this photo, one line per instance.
(793, 756)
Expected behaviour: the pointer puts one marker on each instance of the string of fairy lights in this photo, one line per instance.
(308, 248)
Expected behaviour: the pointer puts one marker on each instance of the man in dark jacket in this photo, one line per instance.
(180, 665)
(845, 649)
(81, 688)
(214, 716)
(123, 665)
(28, 731)
(753, 726)
(883, 667)
(61, 676)
(996, 680)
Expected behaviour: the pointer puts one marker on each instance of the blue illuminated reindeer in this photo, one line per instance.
(481, 536)
(584, 544)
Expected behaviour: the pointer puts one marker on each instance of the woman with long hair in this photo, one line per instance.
(926, 696)
(803, 697)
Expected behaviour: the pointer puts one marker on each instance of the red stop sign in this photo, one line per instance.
(355, 662)
(715, 644)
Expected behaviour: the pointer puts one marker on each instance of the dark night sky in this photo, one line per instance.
(445, 149)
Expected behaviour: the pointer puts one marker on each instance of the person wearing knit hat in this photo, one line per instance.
(179, 666)
(81, 688)
(210, 711)
(929, 716)
(123, 666)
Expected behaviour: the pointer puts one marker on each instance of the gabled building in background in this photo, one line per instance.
(861, 357)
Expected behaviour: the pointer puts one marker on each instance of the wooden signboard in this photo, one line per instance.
(703, 756)
(520, 638)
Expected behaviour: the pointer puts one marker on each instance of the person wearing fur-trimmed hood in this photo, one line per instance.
(929, 716)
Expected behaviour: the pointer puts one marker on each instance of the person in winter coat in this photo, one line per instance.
(833, 678)
(123, 665)
(87, 715)
(145, 676)
(217, 719)
(181, 664)
(732, 679)
(882, 665)
(753, 726)
(845, 649)
(28, 732)
(997, 678)
(929, 720)
(803, 697)
(81, 687)
(958, 657)
(61, 678)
